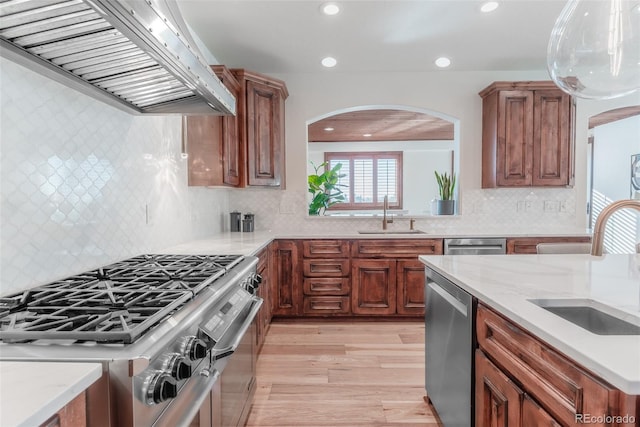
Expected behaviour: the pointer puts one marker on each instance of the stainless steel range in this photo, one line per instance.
(163, 326)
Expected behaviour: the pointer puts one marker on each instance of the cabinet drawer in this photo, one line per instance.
(527, 245)
(563, 388)
(326, 305)
(325, 248)
(325, 267)
(326, 286)
(403, 248)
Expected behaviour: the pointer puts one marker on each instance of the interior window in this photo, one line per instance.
(368, 177)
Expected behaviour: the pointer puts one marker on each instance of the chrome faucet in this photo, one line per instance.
(601, 222)
(385, 207)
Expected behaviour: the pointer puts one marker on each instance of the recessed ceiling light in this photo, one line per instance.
(328, 129)
(489, 6)
(330, 9)
(329, 62)
(367, 135)
(443, 62)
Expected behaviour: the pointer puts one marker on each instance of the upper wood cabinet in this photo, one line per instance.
(261, 115)
(213, 144)
(527, 135)
(242, 150)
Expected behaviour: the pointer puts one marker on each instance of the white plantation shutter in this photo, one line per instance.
(363, 180)
(369, 176)
(387, 182)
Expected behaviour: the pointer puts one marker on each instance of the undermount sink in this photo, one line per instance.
(593, 316)
(391, 232)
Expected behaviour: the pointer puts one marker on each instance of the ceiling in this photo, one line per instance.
(380, 125)
(292, 36)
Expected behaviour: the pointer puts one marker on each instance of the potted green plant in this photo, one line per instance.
(324, 188)
(446, 184)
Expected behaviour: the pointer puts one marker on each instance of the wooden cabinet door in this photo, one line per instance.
(410, 292)
(527, 135)
(373, 286)
(202, 137)
(213, 143)
(515, 138)
(264, 292)
(498, 399)
(286, 278)
(265, 134)
(551, 136)
(534, 416)
(232, 154)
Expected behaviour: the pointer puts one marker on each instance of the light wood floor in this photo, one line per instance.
(342, 374)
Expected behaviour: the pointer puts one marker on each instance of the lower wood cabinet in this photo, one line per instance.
(520, 380)
(373, 286)
(73, 414)
(344, 277)
(263, 319)
(498, 399)
(527, 245)
(286, 278)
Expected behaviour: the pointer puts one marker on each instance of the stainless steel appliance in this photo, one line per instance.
(449, 346)
(450, 337)
(164, 328)
(135, 55)
(475, 246)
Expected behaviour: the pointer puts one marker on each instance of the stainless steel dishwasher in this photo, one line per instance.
(473, 246)
(450, 337)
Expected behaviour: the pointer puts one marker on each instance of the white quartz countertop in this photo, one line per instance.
(240, 243)
(31, 392)
(507, 283)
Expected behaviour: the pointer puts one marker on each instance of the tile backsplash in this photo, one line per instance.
(83, 184)
(490, 211)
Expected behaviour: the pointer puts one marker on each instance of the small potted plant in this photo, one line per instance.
(324, 188)
(445, 205)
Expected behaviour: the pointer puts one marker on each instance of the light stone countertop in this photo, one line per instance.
(507, 282)
(239, 243)
(31, 392)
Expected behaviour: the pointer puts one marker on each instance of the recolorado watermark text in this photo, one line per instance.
(605, 419)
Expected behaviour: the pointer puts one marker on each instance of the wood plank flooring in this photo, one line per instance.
(342, 374)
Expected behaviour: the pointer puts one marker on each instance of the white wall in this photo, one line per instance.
(84, 184)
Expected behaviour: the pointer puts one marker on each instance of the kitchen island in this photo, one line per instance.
(532, 344)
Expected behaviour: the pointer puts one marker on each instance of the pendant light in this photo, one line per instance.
(594, 49)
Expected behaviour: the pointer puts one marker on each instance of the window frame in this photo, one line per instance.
(373, 155)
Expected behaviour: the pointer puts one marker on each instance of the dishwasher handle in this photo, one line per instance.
(453, 301)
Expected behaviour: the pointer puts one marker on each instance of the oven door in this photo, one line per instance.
(204, 396)
(238, 382)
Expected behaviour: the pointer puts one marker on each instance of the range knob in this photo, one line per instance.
(162, 386)
(252, 282)
(194, 348)
(178, 366)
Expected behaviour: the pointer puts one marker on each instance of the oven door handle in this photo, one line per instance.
(229, 350)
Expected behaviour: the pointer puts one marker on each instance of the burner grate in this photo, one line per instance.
(116, 303)
(88, 314)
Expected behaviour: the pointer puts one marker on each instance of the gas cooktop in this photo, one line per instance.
(115, 303)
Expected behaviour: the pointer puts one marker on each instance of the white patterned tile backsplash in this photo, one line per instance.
(84, 184)
(492, 211)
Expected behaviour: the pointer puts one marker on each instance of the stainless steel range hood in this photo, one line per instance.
(134, 54)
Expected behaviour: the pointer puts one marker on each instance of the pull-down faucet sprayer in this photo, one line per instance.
(601, 222)
(385, 208)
